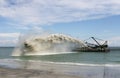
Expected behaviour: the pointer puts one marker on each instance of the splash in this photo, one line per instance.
(46, 44)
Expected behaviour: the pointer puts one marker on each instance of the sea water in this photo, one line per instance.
(81, 64)
(112, 57)
(5, 52)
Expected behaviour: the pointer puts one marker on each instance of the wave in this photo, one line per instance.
(75, 69)
(14, 63)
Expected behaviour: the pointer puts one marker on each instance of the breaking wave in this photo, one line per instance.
(46, 43)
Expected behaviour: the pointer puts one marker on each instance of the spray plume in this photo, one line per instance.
(37, 44)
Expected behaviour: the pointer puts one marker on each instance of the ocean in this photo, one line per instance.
(80, 64)
(112, 57)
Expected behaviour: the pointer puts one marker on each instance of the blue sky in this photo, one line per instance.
(78, 18)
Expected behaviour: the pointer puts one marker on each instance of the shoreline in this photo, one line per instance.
(30, 73)
(53, 70)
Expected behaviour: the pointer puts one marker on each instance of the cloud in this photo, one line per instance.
(40, 12)
(114, 41)
(8, 39)
(11, 35)
(25, 14)
(8, 42)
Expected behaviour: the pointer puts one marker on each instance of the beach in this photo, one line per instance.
(10, 68)
(14, 68)
(29, 73)
(19, 69)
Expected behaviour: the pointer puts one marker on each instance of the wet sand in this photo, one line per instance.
(29, 73)
(10, 68)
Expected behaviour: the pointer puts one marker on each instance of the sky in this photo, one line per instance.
(78, 18)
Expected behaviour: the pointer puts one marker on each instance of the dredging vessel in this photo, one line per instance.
(91, 47)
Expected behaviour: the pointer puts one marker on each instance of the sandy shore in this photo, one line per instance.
(23, 69)
(10, 68)
(29, 73)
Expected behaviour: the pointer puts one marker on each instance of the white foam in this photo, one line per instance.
(66, 63)
(47, 53)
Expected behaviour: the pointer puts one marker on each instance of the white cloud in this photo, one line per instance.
(39, 12)
(8, 42)
(10, 35)
(8, 39)
(114, 41)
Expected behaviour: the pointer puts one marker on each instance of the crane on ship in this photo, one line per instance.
(94, 46)
(102, 47)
